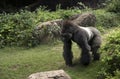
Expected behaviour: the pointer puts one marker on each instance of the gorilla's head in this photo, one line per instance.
(67, 31)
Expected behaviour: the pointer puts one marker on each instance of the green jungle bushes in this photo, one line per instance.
(111, 60)
(114, 6)
(16, 28)
(106, 19)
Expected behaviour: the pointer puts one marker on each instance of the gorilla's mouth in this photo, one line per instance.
(66, 36)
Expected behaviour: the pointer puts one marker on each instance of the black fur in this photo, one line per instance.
(71, 32)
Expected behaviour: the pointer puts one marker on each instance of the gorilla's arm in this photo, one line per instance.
(67, 52)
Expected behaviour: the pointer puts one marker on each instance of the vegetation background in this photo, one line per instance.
(21, 54)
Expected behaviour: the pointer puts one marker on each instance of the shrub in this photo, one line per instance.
(114, 42)
(112, 60)
(114, 6)
(106, 19)
(16, 29)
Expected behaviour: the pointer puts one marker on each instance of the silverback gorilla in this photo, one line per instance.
(87, 38)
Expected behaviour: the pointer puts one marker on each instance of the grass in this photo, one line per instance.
(19, 63)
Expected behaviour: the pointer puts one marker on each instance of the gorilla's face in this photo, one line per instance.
(67, 32)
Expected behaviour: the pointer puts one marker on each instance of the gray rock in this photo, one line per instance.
(85, 19)
(56, 74)
(47, 24)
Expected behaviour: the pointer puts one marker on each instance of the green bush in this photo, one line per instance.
(114, 42)
(111, 67)
(106, 19)
(114, 6)
(16, 29)
(112, 59)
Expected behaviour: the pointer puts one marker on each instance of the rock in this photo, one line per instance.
(85, 19)
(47, 30)
(56, 22)
(56, 74)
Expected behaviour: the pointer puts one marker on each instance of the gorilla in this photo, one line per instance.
(87, 38)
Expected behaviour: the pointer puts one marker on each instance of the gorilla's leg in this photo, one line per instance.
(67, 53)
(96, 42)
(85, 55)
(96, 55)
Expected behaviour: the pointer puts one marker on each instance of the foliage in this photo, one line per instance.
(112, 60)
(114, 6)
(111, 68)
(106, 19)
(46, 15)
(114, 42)
(16, 29)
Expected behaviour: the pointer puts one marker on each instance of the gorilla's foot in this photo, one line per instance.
(96, 57)
(70, 65)
(85, 60)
